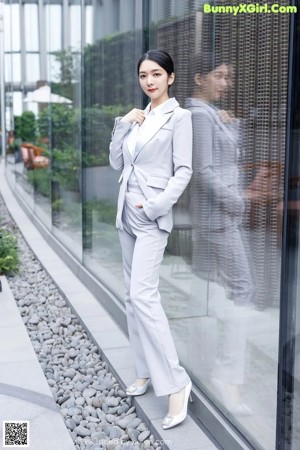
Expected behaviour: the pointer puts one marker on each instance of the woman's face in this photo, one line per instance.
(155, 81)
(216, 83)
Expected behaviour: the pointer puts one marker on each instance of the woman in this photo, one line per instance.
(217, 210)
(153, 148)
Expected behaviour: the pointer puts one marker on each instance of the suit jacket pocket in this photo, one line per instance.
(157, 182)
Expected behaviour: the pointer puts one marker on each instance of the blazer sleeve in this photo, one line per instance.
(205, 177)
(115, 147)
(182, 146)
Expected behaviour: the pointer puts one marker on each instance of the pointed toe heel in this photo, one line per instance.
(171, 421)
(133, 390)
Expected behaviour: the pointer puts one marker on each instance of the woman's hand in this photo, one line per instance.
(135, 115)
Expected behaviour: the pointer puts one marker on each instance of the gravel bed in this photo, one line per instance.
(97, 412)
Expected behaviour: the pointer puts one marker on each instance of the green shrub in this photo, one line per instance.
(25, 127)
(41, 180)
(9, 252)
(61, 123)
(18, 127)
(28, 126)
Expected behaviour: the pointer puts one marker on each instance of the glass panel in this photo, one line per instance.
(288, 436)
(53, 27)
(38, 157)
(110, 89)
(75, 25)
(64, 113)
(16, 67)
(32, 67)
(40, 174)
(31, 26)
(7, 29)
(17, 103)
(54, 68)
(220, 279)
(89, 24)
(8, 66)
(15, 27)
(19, 134)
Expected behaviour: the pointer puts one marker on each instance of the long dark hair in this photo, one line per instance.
(162, 58)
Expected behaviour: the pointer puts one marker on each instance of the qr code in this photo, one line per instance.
(16, 434)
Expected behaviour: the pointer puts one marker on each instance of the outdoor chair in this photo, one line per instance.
(32, 156)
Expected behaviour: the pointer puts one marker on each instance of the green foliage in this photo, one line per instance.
(68, 80)
(41, 180)
(25, 127)
(66, 167)
(97, 124)
(28, 126)
(104, 210)
(60, 122)
(109, 68)
(18, 127)
(9, 252)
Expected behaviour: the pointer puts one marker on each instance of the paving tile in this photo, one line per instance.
(24, 373)
(187, 435)
(67, 281)
(8, 313)
(127, 375)
(12, 408)
(110, 339)
(120, 358)
(98, 323)
(14, 346)
(156, 407)
(84, 301)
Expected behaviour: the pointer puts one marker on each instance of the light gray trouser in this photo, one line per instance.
(225, 256)
(154, 353)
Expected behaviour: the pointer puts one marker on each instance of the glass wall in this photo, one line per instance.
(221, 275)
(288, 436)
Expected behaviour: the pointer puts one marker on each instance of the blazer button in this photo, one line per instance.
(132, 165)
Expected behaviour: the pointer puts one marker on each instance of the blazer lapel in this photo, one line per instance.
(126, 140)
(213, 112)
(158, 122)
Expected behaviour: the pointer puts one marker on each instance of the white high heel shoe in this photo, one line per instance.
(171, 421)
(234, 405)
(135, 390)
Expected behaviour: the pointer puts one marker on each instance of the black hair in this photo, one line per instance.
(207, 62)
(162, 58)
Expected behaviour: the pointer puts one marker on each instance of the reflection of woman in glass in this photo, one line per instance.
(217, 209)
(153, 147)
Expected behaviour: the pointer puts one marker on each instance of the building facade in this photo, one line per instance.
(86, 51)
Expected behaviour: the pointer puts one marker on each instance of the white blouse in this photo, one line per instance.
(138, 130)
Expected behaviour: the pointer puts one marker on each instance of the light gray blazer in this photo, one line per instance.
(162, 162)
(216, 193)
